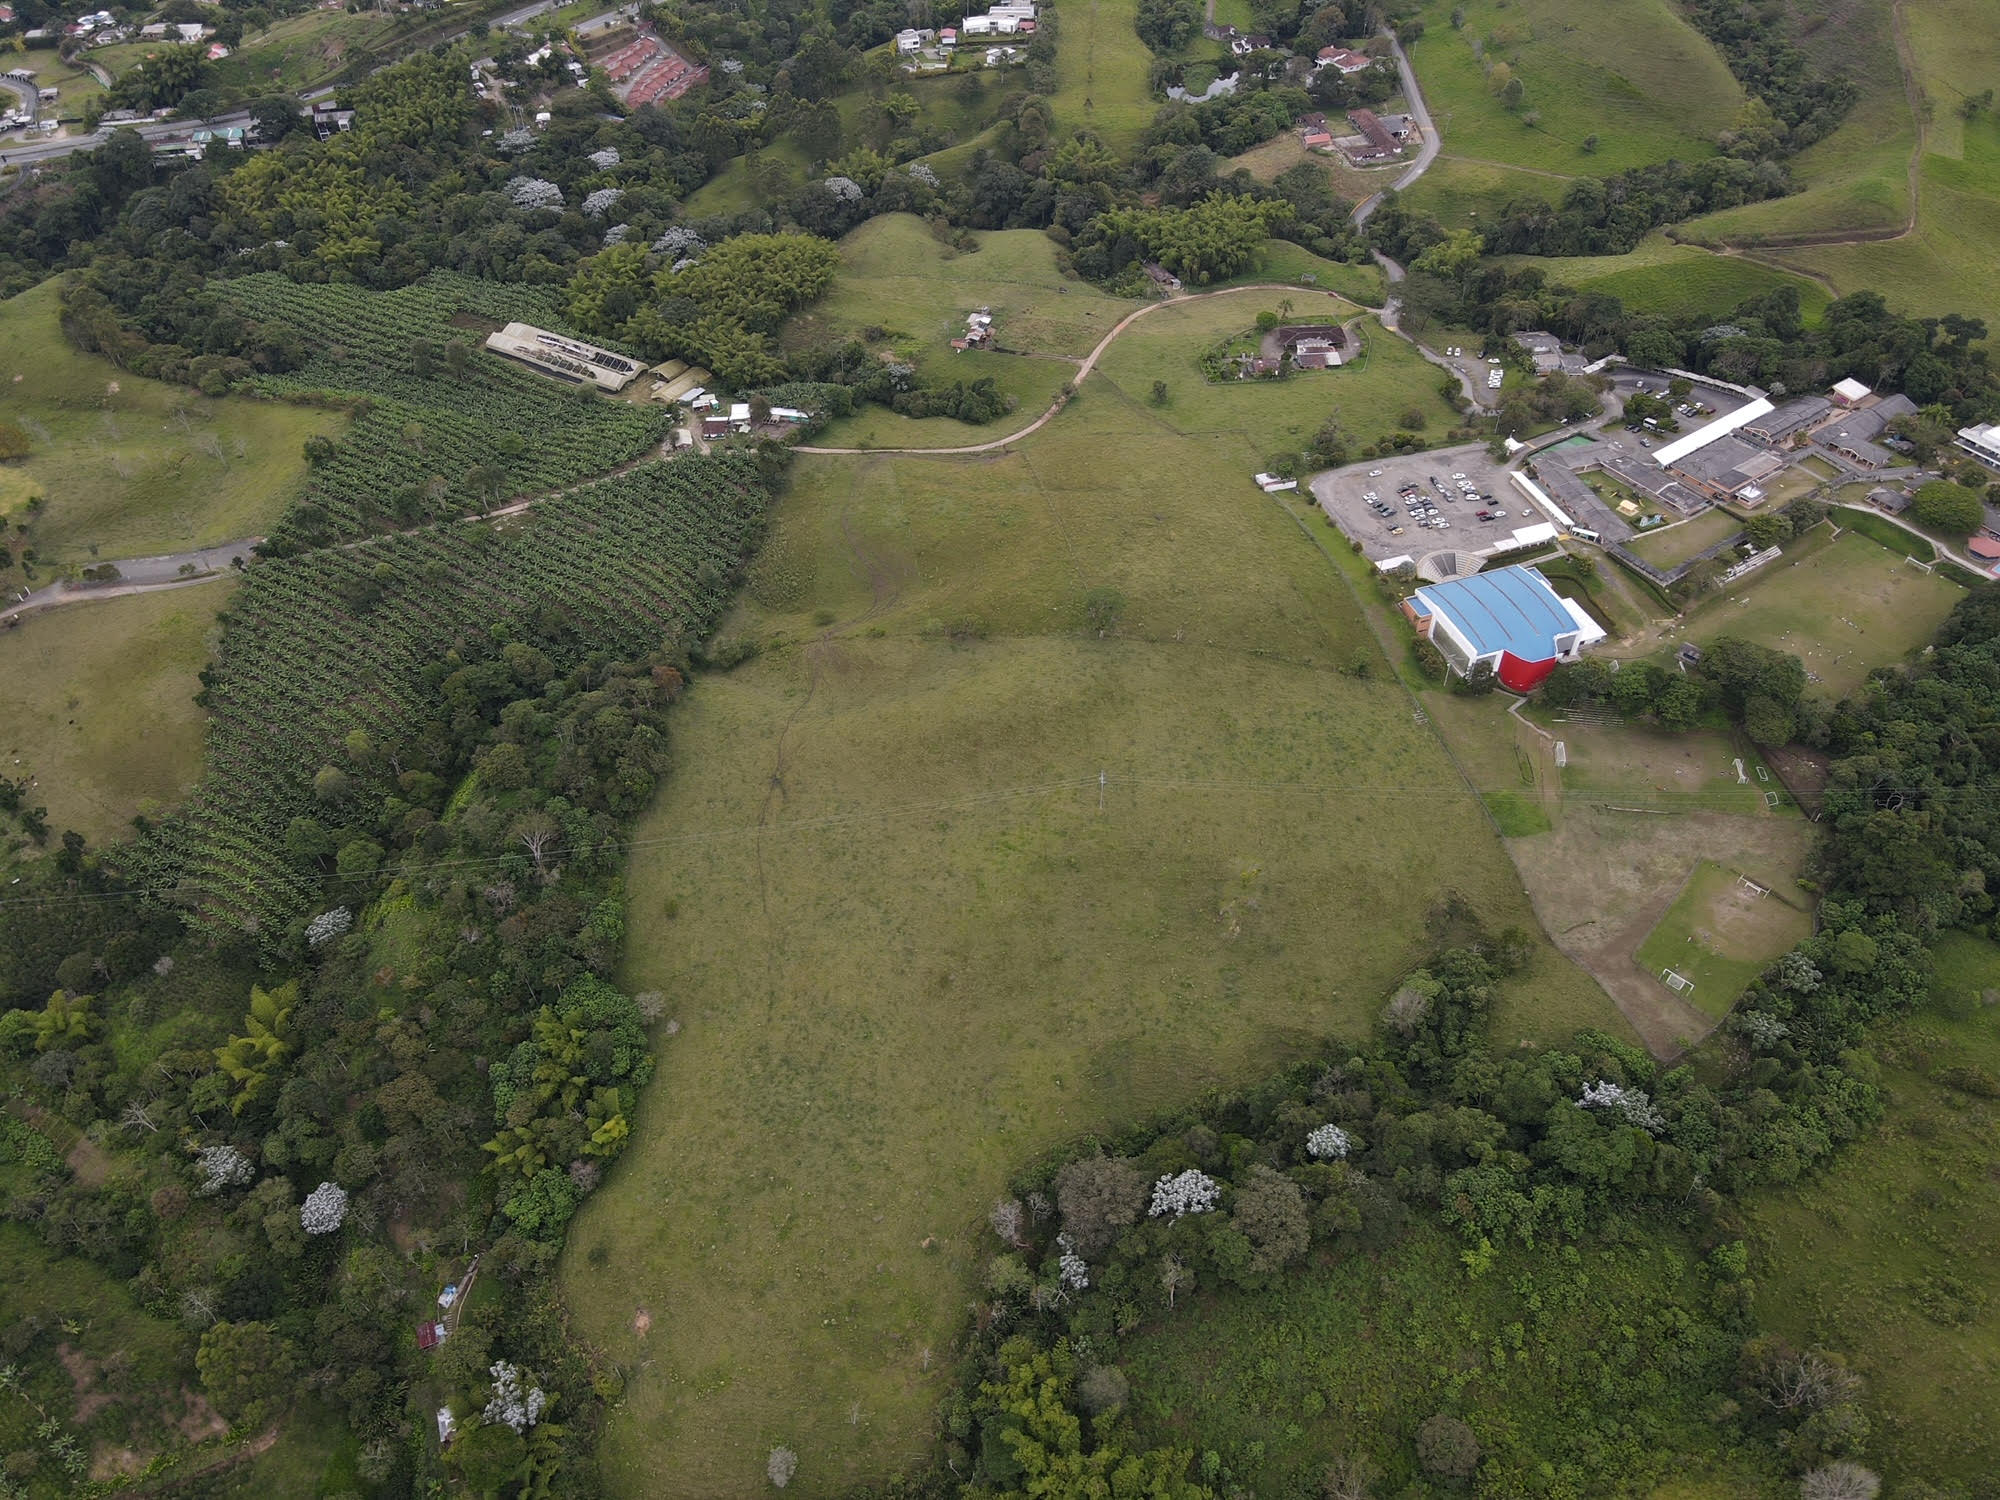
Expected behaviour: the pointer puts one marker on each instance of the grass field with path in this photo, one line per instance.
(1892, 1254)
(1677, 282)
(299, 51)
(1462, 193)
(97, 703)
(129, 466)
(1101, 73)
(1844, 606)
(1638, 77)
(912, 936)
(1719, 934)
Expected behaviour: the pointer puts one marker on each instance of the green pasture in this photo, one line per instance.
(127, 466)
(1844, 607)
(1032, 382)
(51, 72)
(1349, 1356)
(1101, 73)
(1369, 395)
(1630, 766)
(97, 704)
(1721, 935)
(1670, 546)
(1678, 282)
(1283, 261)
(958, 105)
(300, 51)
(1891, 1255)
(735, 188)
(1462, 193)
(1047, 804)
(1637, 76)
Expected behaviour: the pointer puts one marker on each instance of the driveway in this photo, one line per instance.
(137, 575)
(1426, 153)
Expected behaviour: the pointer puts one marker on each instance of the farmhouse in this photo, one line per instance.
(563, 358)
(1983, 443)
(1511, 620)
(1375, 142)
(1341, 60)
(1162, 278)
(1313, 346)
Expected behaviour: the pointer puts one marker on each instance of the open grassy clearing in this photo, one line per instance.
(1677, 281)
(1462, 193)
(51, 72)
(1719, 934)
(127, 466)
(1636, 767)
(1369, 396)
(959, 105)
(1286, 150)
(734, 189)
(97, 703)
(1844, 607)
(300, 51)
(1892, 1255)
(901, 934)
(1638, 77)
(1670, 546)
(1283, 261)
(1101, 73)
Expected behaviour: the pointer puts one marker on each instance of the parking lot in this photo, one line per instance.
(1342, 493)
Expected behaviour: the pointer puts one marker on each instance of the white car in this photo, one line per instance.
(1493, 359)
(1374, 473)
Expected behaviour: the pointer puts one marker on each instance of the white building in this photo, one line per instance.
(1983, 443)
(1850, 391)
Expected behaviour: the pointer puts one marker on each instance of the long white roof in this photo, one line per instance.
(1702, 436)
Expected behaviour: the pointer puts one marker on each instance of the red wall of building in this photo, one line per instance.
(1523, 676)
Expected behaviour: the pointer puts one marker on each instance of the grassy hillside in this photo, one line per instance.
(1637, 77)
(1893, 1255)
(1677, 281)
(1461, 192)
(907, 929)
(127, 466)
(1101, 68)
(97, 704)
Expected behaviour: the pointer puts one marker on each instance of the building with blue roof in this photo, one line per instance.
(1510, 619)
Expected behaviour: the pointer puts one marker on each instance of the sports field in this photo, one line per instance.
(127, 466)
(1101, 73)
(1638, 78)
(1057, 808)
(83, 688)
(1721, 931)
(1844, 607)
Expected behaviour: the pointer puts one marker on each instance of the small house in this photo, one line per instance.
(1318, 140)
(191, 31)
(1162, 277)
(907, 42)
(155, 32)
(430, 1335)
(1850, 392)
(948, 37)
(1341, 60)
(1270, 484)
(714, 427)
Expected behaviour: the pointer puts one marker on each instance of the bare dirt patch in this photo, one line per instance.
(90, 1164)
(1603, 880)
(199, 1421)
(83, 1371)
(108, 1461)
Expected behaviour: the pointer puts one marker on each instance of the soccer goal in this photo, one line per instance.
(1920, 565)
(1752, 887)
(1676, 981)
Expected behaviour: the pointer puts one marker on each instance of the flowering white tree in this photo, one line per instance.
(1329, 1141)
(514, 1402)
(223, 1167)
(1634, 1104)
(606, 159)
(615, 235)
(781, 1466)
(1005, 1217)
(327, 926)
(845, 188)
(1840, 1481)
(680, 241)
(1071, 1270)
(324, 1210)
(923, 174)
(1191, 1192)
(517, 140)
(601, 202)
(534, 192)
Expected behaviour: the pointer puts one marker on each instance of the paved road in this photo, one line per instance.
(1426, 153)
(138, 575)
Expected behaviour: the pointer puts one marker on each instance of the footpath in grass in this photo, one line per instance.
(1719, 934)
(97, 705)
(125, 466)
(909, 932)
(1892, 1254)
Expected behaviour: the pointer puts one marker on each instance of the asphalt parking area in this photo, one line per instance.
(1342, 494)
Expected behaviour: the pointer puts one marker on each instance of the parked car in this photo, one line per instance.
(1485, 515)
(1374, 473)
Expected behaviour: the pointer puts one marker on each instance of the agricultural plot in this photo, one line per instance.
(439, 441)
(901, 933)
(125, 466)
(83, 689)
(1844, 607)
(1639, 79)
(1720, 933)
(1891, 1254)
(339, 640)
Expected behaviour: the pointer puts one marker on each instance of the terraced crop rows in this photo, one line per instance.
(618, 566)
